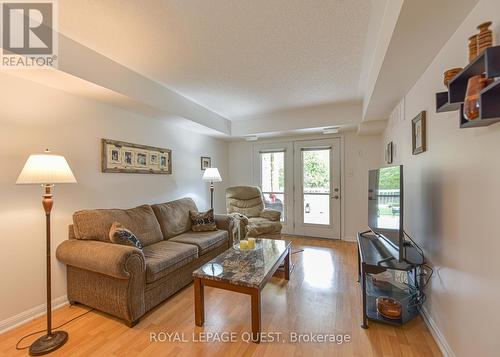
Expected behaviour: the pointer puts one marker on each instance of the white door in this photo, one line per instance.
(317, 188)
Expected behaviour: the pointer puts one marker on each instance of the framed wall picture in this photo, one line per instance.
(119, 156)
(206, 162)
(165, 162)
(389, 153)
(154, 159)
(128, 158)
(419, 134)
(114, 155)
(141, 159)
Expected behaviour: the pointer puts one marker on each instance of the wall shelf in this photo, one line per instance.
(487, 63)
(443, 103)
(490, 101)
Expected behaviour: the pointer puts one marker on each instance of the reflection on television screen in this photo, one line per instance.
(385, 198)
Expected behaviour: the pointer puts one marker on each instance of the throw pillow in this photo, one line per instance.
(203, 221)
(120, 235)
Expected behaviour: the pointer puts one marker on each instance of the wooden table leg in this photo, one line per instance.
(287, 265)
(256, 318)
(199, 302)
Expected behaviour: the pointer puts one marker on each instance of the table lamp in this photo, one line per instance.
(211, 175)
(46, 170)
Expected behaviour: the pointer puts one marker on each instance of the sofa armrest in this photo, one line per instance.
(223, 221)
(119, 261)
(271, 214)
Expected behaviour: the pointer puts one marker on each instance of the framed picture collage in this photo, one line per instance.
(122, 157)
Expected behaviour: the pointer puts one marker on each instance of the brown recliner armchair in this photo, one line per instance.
(246, 204)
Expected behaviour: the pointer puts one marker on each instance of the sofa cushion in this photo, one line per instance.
(174, 217)
(164, 257)
(205, 241)
(258, 225)
(95, 224)
(203, 221)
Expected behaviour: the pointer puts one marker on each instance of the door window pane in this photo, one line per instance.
(273, 180)
(316, 186)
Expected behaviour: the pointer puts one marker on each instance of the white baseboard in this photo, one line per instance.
(350, 239)
(436, 333)
(31, 314)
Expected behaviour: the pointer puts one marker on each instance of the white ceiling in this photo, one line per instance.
(269, 66)
(236, 58)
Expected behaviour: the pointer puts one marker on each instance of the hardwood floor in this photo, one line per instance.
(321, 297)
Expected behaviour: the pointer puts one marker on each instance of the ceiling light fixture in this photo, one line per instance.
(251, 138)
(331, 130)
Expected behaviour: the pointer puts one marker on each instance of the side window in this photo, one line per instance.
(272, 169)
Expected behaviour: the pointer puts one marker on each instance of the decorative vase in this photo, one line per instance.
(472, 47)
(450, 74)
(471, 104)
(485, 37)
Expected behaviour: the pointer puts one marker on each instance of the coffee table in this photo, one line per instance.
(242, 271)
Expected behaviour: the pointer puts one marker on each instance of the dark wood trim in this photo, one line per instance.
(199, 302)
(228, 286)
(256, 315)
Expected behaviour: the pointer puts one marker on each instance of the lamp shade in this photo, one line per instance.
(45, 169)
(212, 174)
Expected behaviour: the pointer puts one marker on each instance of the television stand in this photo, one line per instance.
(373, 258)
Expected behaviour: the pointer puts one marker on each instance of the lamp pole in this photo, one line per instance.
(211, 195)
(48, 202)
(52, 340)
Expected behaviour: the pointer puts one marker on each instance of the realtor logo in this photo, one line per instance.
(28, 34)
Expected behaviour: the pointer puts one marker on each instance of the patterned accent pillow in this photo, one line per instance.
(118, 234)
(203, 221)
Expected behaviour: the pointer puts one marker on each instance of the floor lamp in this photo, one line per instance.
(211, 175)
(47, 170)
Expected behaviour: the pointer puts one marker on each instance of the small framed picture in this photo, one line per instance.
(128, 158)
(418, 131)
(154, 158)
(164, 161)
(114, 155)
(141, 159)
(206, 162)
(389, 153)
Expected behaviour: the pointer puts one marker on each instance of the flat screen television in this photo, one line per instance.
(385, 208)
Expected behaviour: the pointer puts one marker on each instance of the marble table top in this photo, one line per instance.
(248, 268)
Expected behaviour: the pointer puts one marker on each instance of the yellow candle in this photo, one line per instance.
(251, 243)
(243, 244)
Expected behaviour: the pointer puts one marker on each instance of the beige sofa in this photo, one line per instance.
(246, 204)
(124, 281)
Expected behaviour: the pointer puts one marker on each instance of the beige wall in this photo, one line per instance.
(32, 118)
(360, 153)
(452, 195)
